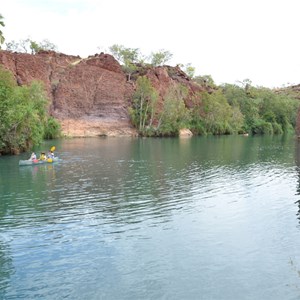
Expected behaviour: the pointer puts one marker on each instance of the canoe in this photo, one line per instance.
(38, 162)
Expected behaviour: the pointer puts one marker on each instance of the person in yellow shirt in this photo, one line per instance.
(43, 156)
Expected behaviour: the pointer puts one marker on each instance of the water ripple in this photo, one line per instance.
(175, 217)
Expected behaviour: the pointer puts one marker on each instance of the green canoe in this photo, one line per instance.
(38, 162)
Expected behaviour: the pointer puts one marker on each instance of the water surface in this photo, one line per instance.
(122, 218)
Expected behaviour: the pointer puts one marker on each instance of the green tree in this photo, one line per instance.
(160, 58)
(2, 39)
(34, 47)
(189, 70)
(128, 57)
(23, 114)
(197, 125)
(205, 80)
(175, 114)
(264, 110)
(218, 115)
(143, 109)
(52, 129)
(279, 110)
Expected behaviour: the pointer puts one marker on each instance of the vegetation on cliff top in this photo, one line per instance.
(30, 46)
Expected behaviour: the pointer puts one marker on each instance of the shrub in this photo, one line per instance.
(23, 114)
(262, 127)
(52, 129)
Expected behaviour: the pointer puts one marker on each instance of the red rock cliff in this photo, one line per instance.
(90, 97)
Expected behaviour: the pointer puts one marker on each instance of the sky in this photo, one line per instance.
(231, 40)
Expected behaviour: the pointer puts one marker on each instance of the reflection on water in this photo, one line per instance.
(297, 158)
(128, 218)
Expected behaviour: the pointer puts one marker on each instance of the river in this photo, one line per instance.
(128, 218)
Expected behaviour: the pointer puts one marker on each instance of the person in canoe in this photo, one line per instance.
(43, 156)
(32, 157)
(51, 153)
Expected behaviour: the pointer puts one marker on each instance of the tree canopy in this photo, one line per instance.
(128, 57)
(160, 58)
(2, 39)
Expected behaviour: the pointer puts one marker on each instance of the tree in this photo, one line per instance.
(264, 111)
(34, 47)
(18, 46)
(160, 58)
(196, 111)
(144, 105)
(205, 80)
(45, 44)
(30, 46)
(2, 39)
(128, 57)
(218, 116)
(23, 114)
(174, 115)
(189, 70)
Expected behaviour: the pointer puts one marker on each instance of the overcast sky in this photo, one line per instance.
(231, 40)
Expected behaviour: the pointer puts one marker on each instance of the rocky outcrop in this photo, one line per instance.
(91, 96)
(185, 133)
(88, 96)
(164, 78)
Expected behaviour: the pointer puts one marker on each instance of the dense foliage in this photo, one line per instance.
(174, 114)
(152, 120)
(24, 120)
(228, 109)
(264, 110)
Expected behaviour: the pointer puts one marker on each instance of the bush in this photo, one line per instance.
(52, 129)
(277, 128)
(175, 115)
(262, 127)
(197, 127)
(23, 114)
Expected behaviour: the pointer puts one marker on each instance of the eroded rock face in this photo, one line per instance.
(166, 78)
(91, 96)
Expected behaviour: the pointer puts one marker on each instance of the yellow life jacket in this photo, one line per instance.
(42, 157)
